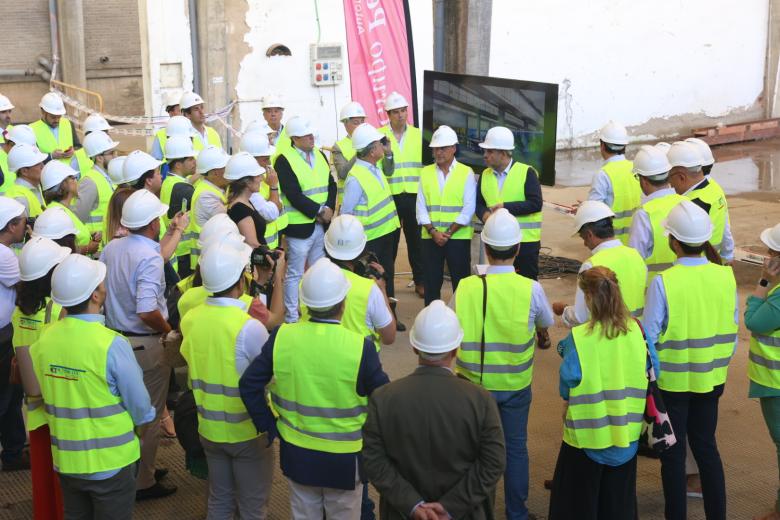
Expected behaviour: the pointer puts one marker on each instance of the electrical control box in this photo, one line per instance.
(327, 64)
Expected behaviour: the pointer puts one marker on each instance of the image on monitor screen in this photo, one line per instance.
(471, 105)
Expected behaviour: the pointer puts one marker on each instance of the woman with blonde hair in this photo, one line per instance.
(603, 379)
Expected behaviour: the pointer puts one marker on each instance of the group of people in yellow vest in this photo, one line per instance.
(657, 227)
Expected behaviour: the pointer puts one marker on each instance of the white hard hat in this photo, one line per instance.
(258, 125)
(172, 98)
(684, 154)
(770, 237)
(98, 142)
(95, 122)
(141, 208)
(663, 146)
(211, 158)
(75, 279)
(443, 136)
(136, 164)
(221, 267)
(218, 225)
(54, 173)
(190, 99)
(651, 161)
(502, 230)
(39, 255)
(54, 223)
(395, 100)
(256, 143)
(614, 133)
(345, 238)
(229, 239)
(436, 329)
(298, 127)
(591, 211)
(179, 147)
(21, 134)
(351, 109)
(707, 159)
(24, 156)
(323, 285)
(51, 103)
(241, 165)
(115, 169)
(688, 223)
(179, 125)
(272, 101)
(9, 210)
(364, 135)
(499, 138)
(5, 104)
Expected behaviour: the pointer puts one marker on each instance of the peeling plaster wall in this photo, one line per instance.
(661, 68)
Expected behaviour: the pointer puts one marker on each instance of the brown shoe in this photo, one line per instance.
(548, 485)
(420, 290)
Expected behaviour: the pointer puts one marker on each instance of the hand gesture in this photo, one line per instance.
(271, 178)
(180, 221)
(771, 269)
(558, 308)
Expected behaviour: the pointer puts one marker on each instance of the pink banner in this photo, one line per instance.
(378, 48)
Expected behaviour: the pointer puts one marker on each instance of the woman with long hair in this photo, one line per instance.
(114, 228)
(245, 176)
(603, 379)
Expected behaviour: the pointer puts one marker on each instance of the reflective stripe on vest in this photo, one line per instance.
(407, 161)
(91, 431)
(662, 256)
(631, 272)
(34, 206)
(378, 214)
(713, 195)
(696, 347)
(764, 357)
(209, 347)
(47, 143)
(313, 182)
(627, 195)
(193, 230)
(445, 206)
(607, 407)
(513, 190)
(105, 189)
(83, 236)
(274, 228)
(315, 373)
(509, 345)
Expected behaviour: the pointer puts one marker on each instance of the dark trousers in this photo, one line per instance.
(694, 418)
(586, 490)
(456, 252)
(12, 432)
(406, 206)
(109, 499)
(527, 260)
(383, 247)
(184, 269)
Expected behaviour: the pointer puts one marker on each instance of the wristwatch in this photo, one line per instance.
(763, 282)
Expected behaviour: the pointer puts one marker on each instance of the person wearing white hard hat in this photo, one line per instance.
(55, 224)
(514, 186)
(209, 197)
(35, 311)
(614, 184)
(141, 171)
(763, 321)
(309, 198)
(95, 186)
(267, 201)
(352, 115)
(13, 224)
(367, 309)
(402, 164)
(273, 111)
(463, 436)
(136, 307)
(26, 162)
(688, 179)
(595, 225)
(337, 372)
(60, 188)
(6, 107)
(367, 196)
(220, 341)
(646, 234)
(95, 122)
(246, 177)
(192, 107)
(691, 316)
(515, 319)
(55, 134)
(17, 134)
(177, 126)
(445, 203)
(176, 188)
(98, 479)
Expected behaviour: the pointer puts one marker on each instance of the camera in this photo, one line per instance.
(362, 267)
(264, 258)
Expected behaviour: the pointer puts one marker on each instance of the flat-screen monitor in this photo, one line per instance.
(473, 104)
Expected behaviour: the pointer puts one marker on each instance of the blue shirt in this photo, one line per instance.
(301, 465)
(125, 380)
(601, 189)
(354, 194)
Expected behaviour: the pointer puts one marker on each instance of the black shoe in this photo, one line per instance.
(399, 327)
(156, 491)
(160, 474)
(21, 463)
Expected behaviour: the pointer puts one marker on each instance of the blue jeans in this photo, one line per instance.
(513, 407)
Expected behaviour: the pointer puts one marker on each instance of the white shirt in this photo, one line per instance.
(209, 204)
(601, 189)
(640, 235)
(579, 313)
(469, 197)
(251, 338)
(377, 314)
(9, 277)
(265, 208)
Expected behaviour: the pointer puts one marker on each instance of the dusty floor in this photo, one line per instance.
(748, 173)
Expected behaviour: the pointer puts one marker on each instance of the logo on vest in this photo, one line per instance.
(67, 373)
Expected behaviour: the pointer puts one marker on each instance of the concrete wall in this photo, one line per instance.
(661, 68)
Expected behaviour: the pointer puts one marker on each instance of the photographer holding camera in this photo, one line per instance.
(367, 309)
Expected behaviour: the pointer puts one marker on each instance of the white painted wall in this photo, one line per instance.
(633, 61)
